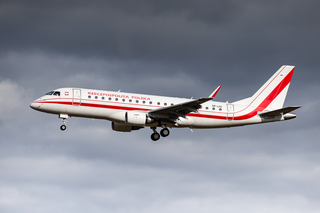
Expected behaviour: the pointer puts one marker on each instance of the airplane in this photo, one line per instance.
(129, 111)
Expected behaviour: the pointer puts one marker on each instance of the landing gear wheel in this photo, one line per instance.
(63, 127)
(164, 132)
(155, 136)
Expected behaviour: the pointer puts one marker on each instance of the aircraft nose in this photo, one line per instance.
(34, 105)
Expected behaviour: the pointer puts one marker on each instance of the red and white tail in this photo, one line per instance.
(272, 94)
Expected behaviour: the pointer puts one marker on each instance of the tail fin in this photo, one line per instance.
(272, 94)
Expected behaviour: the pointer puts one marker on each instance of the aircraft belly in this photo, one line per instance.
(221, 123)
(90, 112)
(209, 123)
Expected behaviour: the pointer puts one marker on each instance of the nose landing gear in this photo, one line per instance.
(64, 120)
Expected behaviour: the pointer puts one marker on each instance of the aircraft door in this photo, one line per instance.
(230, 113)
(76, 98)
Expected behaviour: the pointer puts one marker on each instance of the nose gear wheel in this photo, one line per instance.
(63, 127)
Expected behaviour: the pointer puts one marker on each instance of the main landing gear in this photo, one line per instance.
(156, 136)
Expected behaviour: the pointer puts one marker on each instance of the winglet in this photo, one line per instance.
(215, 92)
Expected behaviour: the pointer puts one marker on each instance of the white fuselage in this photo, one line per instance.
(111, 106)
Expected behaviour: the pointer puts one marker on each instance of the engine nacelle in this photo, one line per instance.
(124, 127)
(137, 118)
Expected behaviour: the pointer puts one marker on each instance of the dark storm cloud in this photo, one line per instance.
(215, 32)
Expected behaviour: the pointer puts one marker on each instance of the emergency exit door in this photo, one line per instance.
(230, 113)
(76, 98)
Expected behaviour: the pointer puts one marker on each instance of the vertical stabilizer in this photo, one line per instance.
(273, 93)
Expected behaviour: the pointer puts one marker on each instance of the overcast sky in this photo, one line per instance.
(181, 48)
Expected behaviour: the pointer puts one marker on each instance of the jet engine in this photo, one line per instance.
(137, 118)
(124, 127)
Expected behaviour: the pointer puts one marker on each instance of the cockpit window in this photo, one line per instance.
(56, 93)
(49, 93)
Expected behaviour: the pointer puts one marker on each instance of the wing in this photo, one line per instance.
(172, 113)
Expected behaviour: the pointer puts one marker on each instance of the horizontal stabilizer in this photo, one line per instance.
(279, 111)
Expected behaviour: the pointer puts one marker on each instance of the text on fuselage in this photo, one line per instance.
(119, 95)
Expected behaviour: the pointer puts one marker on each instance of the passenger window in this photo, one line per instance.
(130, 100)
(96, 97)
(165, 104)
(143, 102)
(89, 96)
(158, 103)
(137, 101)
(116, 99)
(123, 100)
(171, 104)
(150, 102)
(110, 98)
(207, 107)
(102, 98)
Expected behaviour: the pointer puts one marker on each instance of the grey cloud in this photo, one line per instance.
(265, 32)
